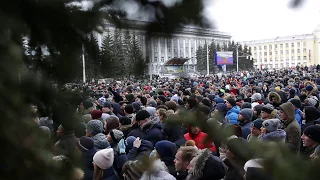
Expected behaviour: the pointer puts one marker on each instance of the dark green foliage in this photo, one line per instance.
(106, 55)
(201, 59)
(137, 62)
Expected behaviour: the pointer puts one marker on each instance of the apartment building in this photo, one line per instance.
(285, 52)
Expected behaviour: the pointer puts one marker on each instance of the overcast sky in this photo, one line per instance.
(262, 19)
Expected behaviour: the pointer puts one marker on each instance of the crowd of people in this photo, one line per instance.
(125, 132)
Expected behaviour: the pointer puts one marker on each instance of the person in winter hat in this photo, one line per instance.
(298, 113)
(96, 114)
(166, 152)
(132, 170)
(270, 131)
(255, 129)
(256, 99)
(94, 130)
(201, 167)
(102, 160)
(234, 110)
(256, 112)
(290, 125)
(311, 138)
(267, 111)
(244, 118)
(86, 147)
(115, 136)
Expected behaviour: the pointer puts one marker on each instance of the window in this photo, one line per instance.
(162, 59)
(304, 43)
(265, 47)
(169, 57)
(156, 59)
(175, 50)
(275, 59)
(281, 45)
(298, 43)
(281, 52)
(275, 46)
(304, 57)
(292, 44)
(260, 54)
(292, 50)
(255, 48)
(265, 53)
(276, 52)
(169, 41)
(270, 53)
(287, 45)
(287, 51)
(292, 58)
(298, 50)
(304, 50)
(265, 59)
(255, 54)
(259, 47)
(270, 46)
(169, 49)
(298, 58)
(156, 49)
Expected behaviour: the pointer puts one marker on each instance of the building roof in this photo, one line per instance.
(176, 61)
(280, 39)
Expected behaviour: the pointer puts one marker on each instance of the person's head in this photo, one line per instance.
(270, 125)
(257, 110)
(115, 136)
(60, 131)
(183, 157)
(85, 144)
(296, 103)
(128, 109)
(102, 160)
(230, 102)
(287, 111)
(245, 114)
(123, 104)
(94, 127)
(195, 130)
(266, 111)
(112, 123)
(142, 117)
(107, 107)
(162, 114)
(124, 120)
(256, 127)
(96, 114)
(311, 136)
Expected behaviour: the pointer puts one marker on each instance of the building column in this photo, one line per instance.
(152, 55)
(165, 50)
(159, 52)
(172, 48)
(184, 48)
(178, 41)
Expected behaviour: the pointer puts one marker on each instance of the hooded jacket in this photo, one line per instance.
(157, 171)
(276, 97)
(232, 115)
(199, 140)
(291, 126)
(207, 167)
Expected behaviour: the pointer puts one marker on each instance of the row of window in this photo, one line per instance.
(287, 59)
(281, 52)
(281, 46)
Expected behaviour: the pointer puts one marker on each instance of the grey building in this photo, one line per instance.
(182, 44)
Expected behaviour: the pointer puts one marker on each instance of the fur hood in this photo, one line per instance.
(276, 96)
(78, 174)
(149, 125)
(278, 136)
(157, 171)
(204, 165)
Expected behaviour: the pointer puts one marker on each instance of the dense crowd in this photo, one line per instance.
(125, 130)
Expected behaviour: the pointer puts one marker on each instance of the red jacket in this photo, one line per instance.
(199, 140)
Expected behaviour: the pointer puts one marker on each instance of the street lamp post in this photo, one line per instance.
(237, 57)
(83, 66)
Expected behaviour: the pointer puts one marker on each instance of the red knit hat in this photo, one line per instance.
(96, 114)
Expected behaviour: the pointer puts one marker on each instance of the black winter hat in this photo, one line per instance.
(141, 115)
(296, 103)
(85, 143)
(232, 102)
(124, 120)
(313, 132)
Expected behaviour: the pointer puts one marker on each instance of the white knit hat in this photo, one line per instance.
(104, 158)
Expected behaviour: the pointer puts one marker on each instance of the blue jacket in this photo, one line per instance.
(232, 115)
(298, 115)
(246, 129)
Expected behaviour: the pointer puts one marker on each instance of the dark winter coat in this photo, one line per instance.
(174, 133)
(152, 132)
(87, 159)
(135, 131)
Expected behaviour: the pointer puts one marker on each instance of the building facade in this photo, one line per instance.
(183, 44)
(285, 52)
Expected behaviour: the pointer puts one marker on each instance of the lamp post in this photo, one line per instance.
(83, 66)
